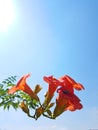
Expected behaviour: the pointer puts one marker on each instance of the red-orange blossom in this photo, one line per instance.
(66, 99)
(22, 85)
(64, 86)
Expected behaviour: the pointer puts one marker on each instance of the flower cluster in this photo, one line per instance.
(66, 99)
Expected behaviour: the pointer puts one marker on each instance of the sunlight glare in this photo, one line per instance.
(6, 14)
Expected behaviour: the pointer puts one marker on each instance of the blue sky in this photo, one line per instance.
(54, 37)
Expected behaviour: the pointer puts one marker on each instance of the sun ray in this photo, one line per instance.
(7, 14)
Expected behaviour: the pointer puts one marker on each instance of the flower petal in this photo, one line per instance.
(78, 86)
(13, 90)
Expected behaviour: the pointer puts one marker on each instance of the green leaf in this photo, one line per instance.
(1, 85)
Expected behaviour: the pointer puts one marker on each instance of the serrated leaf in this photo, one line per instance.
(1, 103)
(1, 85)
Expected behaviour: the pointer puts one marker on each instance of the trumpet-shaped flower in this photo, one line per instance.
(22, 85)
(67, 100)
(53, 84)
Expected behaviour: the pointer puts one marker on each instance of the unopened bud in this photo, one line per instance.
(24, 107)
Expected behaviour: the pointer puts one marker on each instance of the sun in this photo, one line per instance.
(7, 14)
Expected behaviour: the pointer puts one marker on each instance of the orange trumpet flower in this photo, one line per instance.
(22, 85)
(53, 84)
(67, 100)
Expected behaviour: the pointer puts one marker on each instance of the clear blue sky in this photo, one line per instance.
(53, 37)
